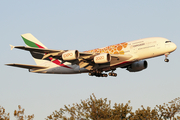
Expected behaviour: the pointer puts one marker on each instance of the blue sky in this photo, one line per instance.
(85, 25)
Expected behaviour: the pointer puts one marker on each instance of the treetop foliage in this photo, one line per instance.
(3, 115)
(100, 109)
(18, 114)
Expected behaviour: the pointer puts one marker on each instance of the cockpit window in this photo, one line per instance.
(167, 41)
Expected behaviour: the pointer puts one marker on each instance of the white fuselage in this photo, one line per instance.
(139, 49)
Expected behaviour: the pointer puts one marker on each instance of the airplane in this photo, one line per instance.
(97, 62)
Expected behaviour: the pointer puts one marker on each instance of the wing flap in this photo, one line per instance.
(83, 64)
(27, 66)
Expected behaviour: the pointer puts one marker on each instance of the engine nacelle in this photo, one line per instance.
(70, 55)
(102, 58)
(137, 66)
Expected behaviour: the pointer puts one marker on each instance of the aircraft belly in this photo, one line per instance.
(73, 69)
(77, 69)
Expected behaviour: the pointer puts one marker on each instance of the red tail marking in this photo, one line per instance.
(57, 62)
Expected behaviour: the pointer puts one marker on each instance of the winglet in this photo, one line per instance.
(12, 47)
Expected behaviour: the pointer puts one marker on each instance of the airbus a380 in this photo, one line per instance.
(96, 62)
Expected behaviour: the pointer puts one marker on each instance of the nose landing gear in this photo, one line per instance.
(166, 59)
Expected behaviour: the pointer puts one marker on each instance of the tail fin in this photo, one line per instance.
(31, 41)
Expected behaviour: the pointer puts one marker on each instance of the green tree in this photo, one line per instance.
(3, 114)
(19, 114)
(100, 109)
(145, 114)
(169, 111)
(95, 109)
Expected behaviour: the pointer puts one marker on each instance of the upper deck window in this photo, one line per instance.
(167, 41)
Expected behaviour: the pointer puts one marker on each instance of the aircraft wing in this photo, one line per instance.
(27, 66)
(40, 50)
(85, 59)
(84, 55)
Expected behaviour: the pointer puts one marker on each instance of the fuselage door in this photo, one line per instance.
(135, 49)
(158, 46)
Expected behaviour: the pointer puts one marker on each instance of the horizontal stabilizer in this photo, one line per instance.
(12, 47)
(27, 66)
(36, 49)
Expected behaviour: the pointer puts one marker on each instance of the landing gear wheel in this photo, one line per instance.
(166, 60)
(166, 57)
(104, 75)
(110, 74)
(91, 74)
(114, 74)
(98, 75)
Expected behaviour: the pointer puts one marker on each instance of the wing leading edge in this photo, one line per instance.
(35, 49)
(34, 67)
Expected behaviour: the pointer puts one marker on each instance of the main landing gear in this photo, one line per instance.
(166, 59)
(112, 74)
(97, 74)
(100, 74)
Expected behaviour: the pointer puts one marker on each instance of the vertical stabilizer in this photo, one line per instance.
(31, 41)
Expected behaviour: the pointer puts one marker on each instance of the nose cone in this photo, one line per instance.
(173, 46)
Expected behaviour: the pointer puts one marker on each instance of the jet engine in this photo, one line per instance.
(70, 55)
(102, 58)
(137, 66)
